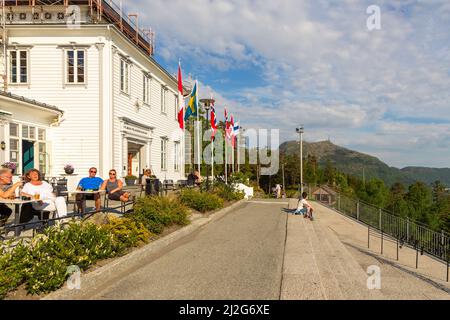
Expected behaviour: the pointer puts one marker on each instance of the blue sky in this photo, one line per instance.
(277, 64)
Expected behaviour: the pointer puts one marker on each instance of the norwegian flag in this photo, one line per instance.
(180, 98)
(213, 121)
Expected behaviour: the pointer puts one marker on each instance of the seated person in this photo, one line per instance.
(198, 178)
(191, 179)
(304, 207)
(147, 175)
(114, 186)
(7, 191)
(90, 183)
(43, 191)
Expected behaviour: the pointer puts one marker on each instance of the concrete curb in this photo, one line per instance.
(92, 280)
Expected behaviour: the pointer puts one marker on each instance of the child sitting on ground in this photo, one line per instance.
(304, 207)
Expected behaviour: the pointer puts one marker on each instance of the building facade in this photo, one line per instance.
(119, 104)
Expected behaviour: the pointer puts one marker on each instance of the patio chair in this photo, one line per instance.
(122, 207)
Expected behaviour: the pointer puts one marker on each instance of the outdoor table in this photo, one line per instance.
(17, 205)
(83, 197)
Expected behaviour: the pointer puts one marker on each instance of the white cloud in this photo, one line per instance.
(322, 66)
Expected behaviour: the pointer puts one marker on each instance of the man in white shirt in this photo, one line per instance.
(304, 207)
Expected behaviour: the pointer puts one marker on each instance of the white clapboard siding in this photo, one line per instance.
(76, 140)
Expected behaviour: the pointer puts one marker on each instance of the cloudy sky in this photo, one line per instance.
(278, 64)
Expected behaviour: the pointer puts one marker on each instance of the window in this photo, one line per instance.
(14, 143)
(176, 106)
(42, 157)
(177, 156)
(41, 134)
(146, 88)
(124, 76)
(164, 154)
(76, 71)
(163, 99)
(19, 66)
(28, 133)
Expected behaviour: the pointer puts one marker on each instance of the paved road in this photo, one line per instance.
(239, 256)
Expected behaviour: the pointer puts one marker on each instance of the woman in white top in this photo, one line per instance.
(48, 200)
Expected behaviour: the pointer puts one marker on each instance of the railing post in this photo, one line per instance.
(407, 229)
(357, 210)
(339, 202)
(382, 241)
(379, 219)
(368, 236)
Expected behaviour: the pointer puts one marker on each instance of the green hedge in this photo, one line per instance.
(200, 201)
(227, 192)
(42, 264)
(158, 212)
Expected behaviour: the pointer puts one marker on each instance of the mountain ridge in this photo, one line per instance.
(358, 164)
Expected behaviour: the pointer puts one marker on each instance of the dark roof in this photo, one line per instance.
(326, 189)
(30, 101)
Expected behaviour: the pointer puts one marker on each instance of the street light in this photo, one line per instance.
(207, 103)
(300, 130)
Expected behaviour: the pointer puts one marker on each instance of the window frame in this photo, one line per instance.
(147, 88)
(177, 156)
(75, 66)
(19, 66)
(164, 99)
(125, 74)
(164, 143)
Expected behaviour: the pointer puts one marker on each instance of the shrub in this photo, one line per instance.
(42, 264)
(202, 202)
(127, 232)
(227, 192)
(155, 213)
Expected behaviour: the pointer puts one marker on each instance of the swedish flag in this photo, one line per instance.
(192, 107)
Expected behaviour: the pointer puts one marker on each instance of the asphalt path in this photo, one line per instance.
(239, 256)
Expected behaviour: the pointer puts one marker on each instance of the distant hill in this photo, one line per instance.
(354, 163)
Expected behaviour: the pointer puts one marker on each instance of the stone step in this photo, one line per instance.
(325, 267)
(351, 276)
(301, 279)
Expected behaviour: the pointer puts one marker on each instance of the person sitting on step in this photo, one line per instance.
(304, 207)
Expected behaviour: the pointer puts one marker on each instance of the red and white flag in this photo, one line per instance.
(180, 99)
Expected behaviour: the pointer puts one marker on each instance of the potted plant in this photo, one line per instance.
(130, 180)
(69, 169)
(11, 166)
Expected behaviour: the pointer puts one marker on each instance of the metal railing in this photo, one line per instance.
(406, 231)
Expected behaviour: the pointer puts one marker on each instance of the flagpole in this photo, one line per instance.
(238, 153)
(198, 130)
(226, 158)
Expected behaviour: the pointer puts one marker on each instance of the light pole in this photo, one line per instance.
(300, 130)
(207, 105)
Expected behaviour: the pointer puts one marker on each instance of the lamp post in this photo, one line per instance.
(300, 130)
(207, 105)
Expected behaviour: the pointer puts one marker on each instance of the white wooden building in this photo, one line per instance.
(119, 104)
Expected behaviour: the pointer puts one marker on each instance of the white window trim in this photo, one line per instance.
(66, 71)
(36, 140)
(164, 91)
(147, 86)
(164, 160)
(177, 156)
(17, 50)
(127, 65)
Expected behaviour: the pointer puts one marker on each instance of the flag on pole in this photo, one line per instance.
(213, 121)
(236, 128)
(192, 107)
(180, 98)
(228, 126)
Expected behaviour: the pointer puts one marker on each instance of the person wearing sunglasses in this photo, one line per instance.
(90, 183)
(114, 186)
